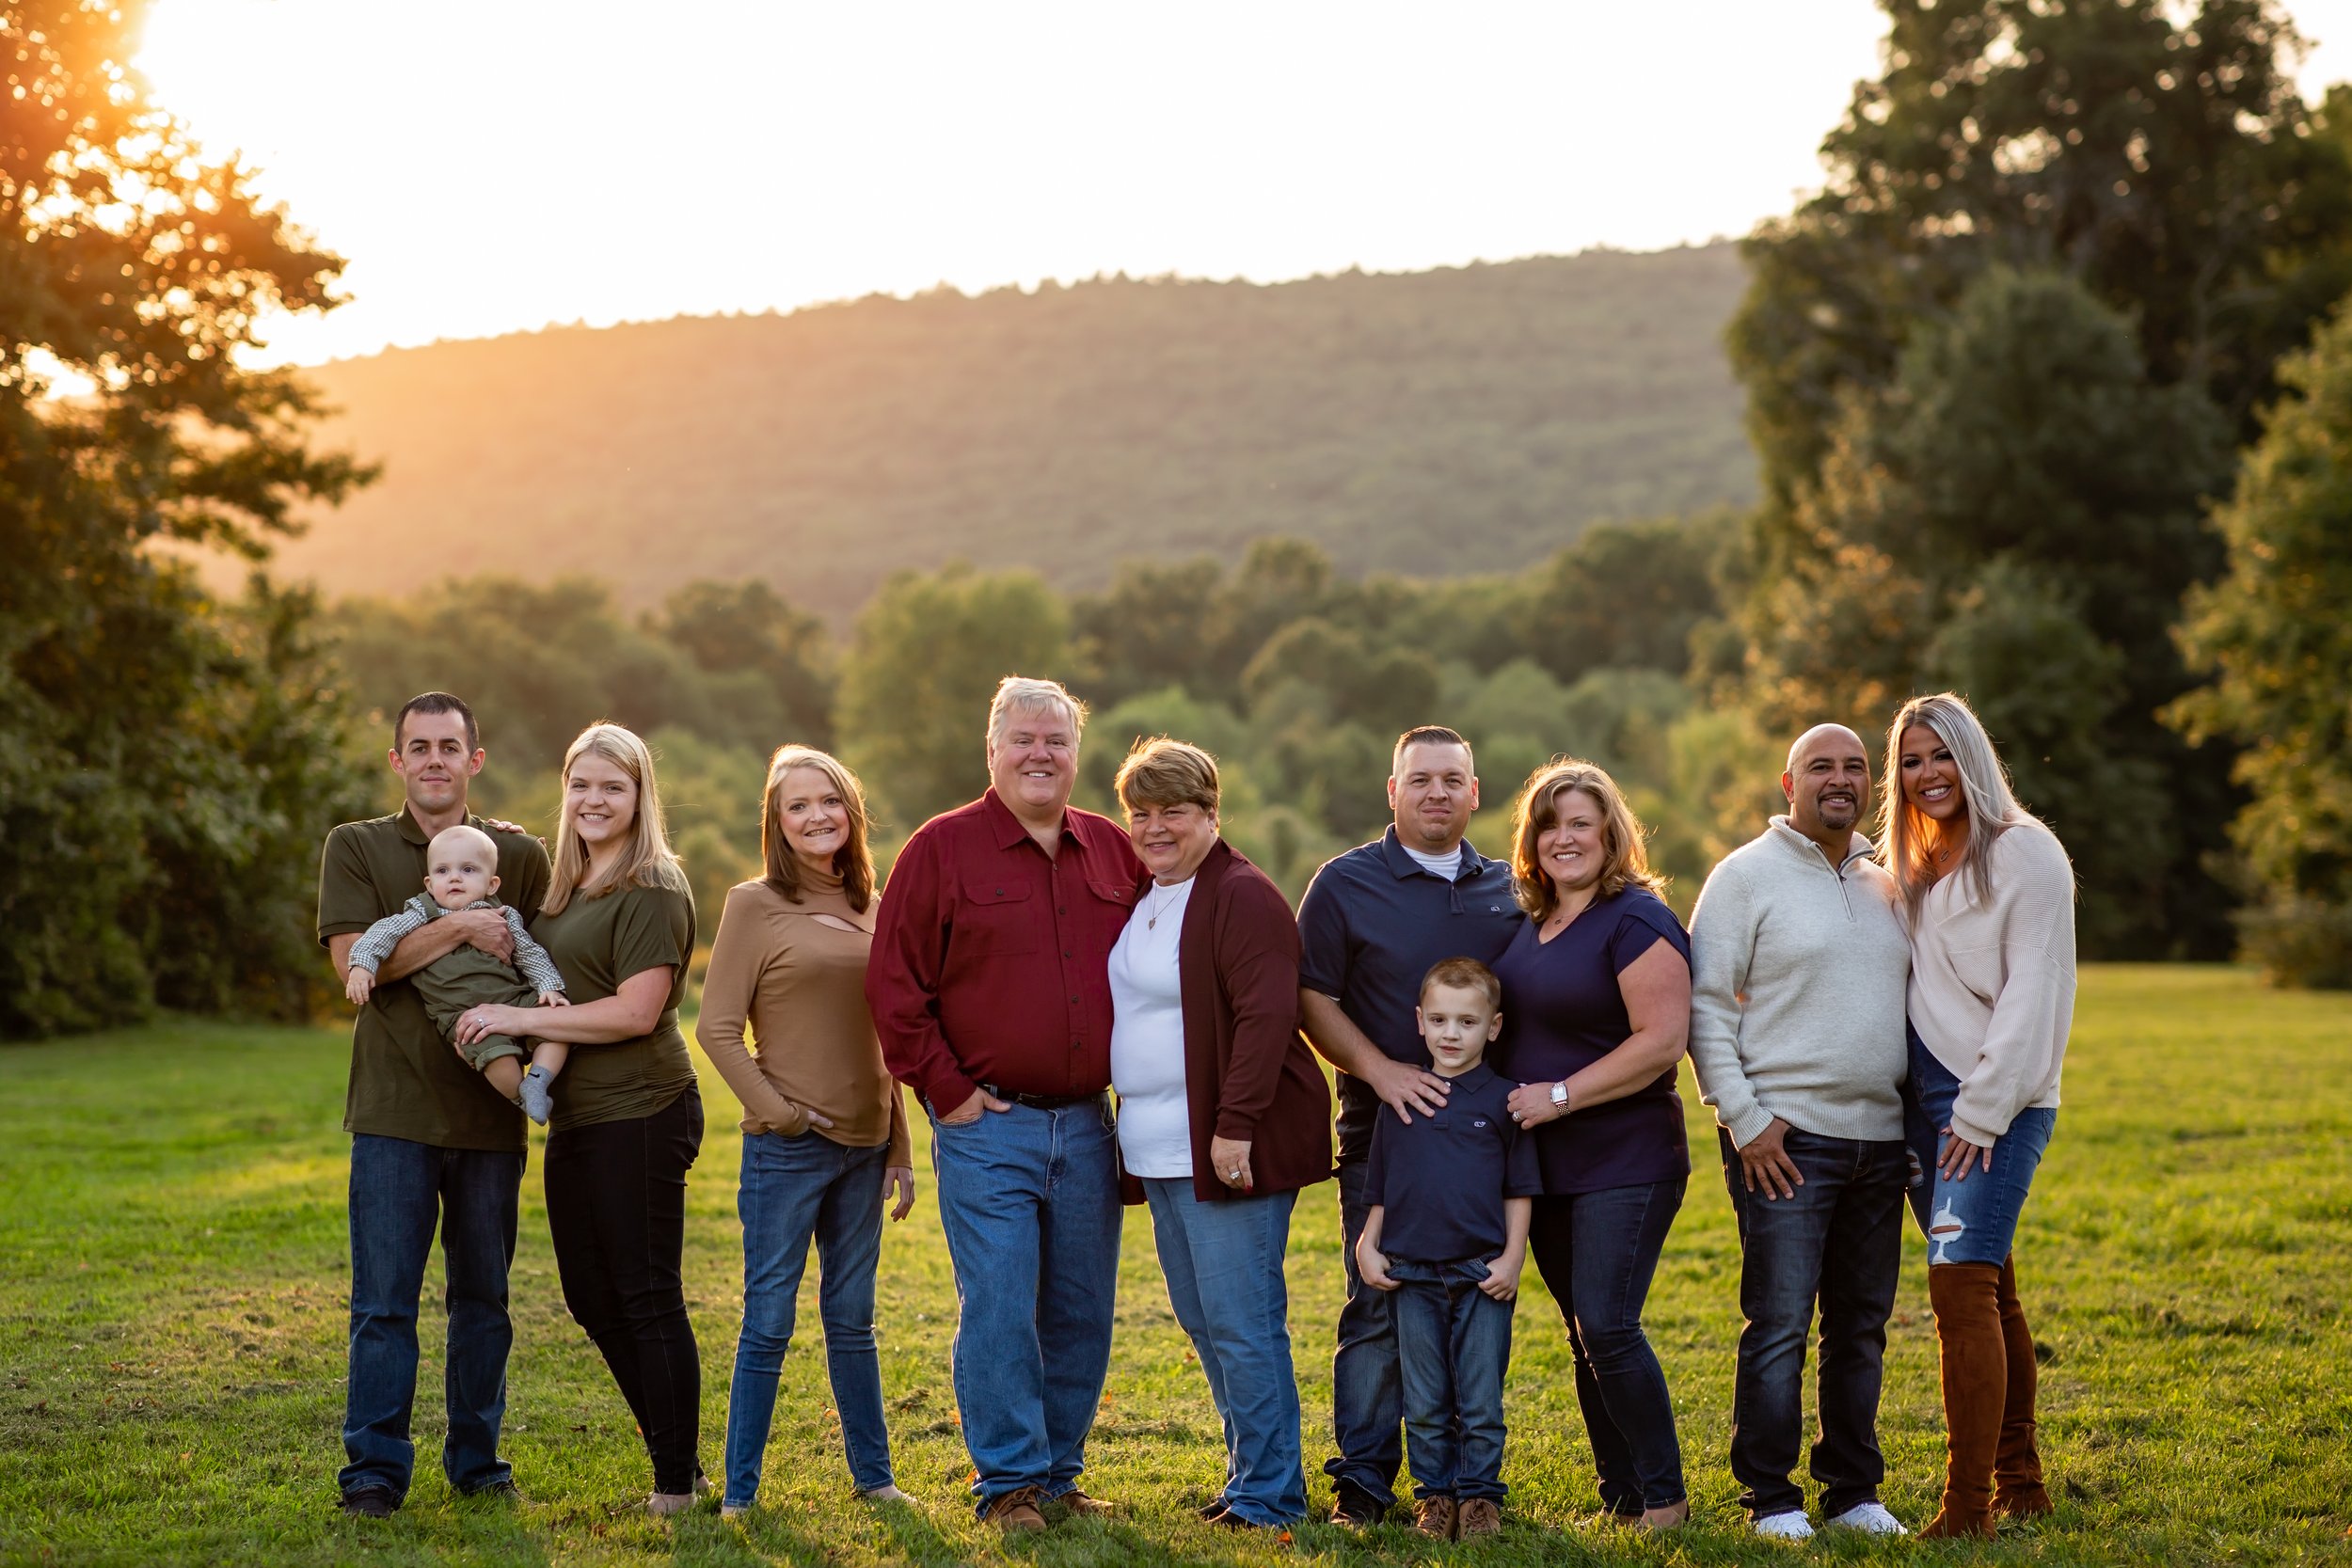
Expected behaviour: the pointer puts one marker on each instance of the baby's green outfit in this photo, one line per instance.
(465, 976)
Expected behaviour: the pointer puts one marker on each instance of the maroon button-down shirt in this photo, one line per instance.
(992, 959)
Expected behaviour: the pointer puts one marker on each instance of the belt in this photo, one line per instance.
(1044, 1101)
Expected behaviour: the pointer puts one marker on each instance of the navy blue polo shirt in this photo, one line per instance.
(1441, 1179)
(1372, 924)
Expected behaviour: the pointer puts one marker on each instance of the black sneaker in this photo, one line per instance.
(505, 1492)
(370, 1502)
(1356, 1509)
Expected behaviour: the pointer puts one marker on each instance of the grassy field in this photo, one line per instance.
(172, 1279)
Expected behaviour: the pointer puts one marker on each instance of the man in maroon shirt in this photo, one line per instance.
(991, 988)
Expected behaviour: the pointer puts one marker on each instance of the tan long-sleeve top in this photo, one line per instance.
(794, 975)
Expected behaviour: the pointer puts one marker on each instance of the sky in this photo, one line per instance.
(495, 165)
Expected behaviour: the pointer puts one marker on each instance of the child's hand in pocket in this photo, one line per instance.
(1502, 1277)
(1371, 1265)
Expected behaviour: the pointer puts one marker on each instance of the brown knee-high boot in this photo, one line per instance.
(1966, 1298)
(2017, 1489)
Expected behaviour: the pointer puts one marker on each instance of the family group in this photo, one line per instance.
(1093, 1015)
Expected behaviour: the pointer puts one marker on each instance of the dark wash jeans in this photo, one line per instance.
(1837, 1240)
(616, 1211)
(1598, 1253)
(1367, 1390)
(401, 1192)
(1453, 1345)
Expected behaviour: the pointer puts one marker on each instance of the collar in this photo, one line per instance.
(1789, 834)
(1401, 864)
(1011, 830)
(1475, 1077)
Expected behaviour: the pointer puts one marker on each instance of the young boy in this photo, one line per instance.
(1450, 1198)
(461, 873)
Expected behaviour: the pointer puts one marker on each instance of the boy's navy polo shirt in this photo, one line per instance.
(1372, 924)
(1442, 1180)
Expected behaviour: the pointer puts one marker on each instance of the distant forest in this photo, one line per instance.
(1469, 419)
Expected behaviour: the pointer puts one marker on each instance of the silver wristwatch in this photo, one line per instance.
(1560, 1095)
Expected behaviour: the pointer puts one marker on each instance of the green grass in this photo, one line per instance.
(172, 1275)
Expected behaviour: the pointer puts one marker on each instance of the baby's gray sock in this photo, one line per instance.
(537, 1105)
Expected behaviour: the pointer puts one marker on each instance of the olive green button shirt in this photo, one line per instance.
(406, 1082)
(598, 943)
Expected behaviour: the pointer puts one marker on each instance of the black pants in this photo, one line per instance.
(1835, 1241)
(616, 1208)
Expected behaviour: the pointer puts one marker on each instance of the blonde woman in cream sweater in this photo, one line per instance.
(1990, 896)
(825, 1140)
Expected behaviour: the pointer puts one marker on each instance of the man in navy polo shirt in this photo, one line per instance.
(1374, 921)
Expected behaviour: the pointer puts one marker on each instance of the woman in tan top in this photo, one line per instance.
(824, 1129)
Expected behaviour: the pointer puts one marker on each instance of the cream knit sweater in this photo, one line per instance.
(1993, 984)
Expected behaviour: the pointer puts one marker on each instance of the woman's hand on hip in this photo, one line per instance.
(1957, 1153)
(1531, 1105)
(898, 1182)
(489, 1018)
(1229, 1159)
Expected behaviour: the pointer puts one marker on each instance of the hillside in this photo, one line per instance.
(1471, 418)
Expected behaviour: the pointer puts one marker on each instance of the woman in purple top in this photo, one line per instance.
(1596, 1012)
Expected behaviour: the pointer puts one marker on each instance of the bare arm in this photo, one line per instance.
(1337, 1040)
(626, 1014)
(1503, 1275)
(1656, 992)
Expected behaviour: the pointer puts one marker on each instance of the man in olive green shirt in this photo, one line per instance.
(431, 1144)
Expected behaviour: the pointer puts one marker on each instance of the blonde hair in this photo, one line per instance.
(1164, 772)
(1625, 850)
(1906, 840)
(853, 861)
(646, 860)
(1025, 694)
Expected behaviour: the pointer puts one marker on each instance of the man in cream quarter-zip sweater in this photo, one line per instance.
(1798, 964)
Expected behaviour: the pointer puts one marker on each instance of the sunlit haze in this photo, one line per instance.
(495, 165)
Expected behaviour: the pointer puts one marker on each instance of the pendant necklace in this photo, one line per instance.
(1151, 917)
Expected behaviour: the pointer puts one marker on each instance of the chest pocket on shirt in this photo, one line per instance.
(996, 917)
(1120, 895)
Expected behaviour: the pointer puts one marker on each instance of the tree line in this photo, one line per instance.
(2051, 387)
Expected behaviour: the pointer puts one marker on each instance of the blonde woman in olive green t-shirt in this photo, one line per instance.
(619, 922)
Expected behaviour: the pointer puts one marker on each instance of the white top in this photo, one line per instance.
(1448, 864)
(1797, 972)
(1148, 1036)
(1993, 983)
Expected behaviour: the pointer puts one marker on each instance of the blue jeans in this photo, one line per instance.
(1598, 1253)
(1029, 1200)
(399, 1192)
(1367, 1391)
(1972, 1220)
(1837, 1240)
(793, 1190)
(1224, 1266)
(1453, 1345)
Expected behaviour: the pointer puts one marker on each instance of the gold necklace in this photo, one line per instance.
(1152, 916)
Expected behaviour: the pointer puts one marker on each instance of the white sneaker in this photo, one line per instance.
(1870, 1519)
(1792, 1525)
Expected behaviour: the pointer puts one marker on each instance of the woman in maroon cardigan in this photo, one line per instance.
(1223, 1113)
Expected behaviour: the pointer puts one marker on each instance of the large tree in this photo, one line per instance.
(2277, 632)
(168, 757)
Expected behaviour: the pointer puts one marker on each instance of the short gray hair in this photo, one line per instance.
(1028, 694)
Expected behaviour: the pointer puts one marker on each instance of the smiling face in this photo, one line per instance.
(1574, 850)
(1931, 777)
(600, 802)
(1033, 761)
(435, 762)
(1433, 793)
(1828, 781)
(813, 817)
(461, 867)
(1171, 841)
(1456, 1023)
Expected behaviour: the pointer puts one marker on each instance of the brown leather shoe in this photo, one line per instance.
(1081, 1505)
(1016, 1513)
(1477, 1516)
(1434, 1518)
(1976, 1387)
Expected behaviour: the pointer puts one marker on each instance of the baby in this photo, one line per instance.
(461, 873)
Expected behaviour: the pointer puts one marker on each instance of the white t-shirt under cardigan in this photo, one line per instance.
(1993, 983)
(1148, 1036)
(1797, 972)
